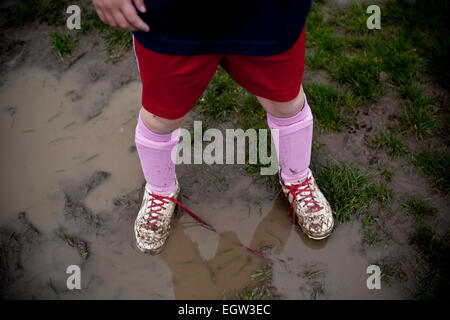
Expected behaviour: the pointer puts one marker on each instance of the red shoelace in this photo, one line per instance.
(157, 207)
(309, 199)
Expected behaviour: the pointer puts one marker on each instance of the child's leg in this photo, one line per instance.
(276, 82)
(294, 122)
(155, 138)
(171, 85)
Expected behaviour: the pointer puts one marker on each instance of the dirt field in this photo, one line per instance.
(71, 182)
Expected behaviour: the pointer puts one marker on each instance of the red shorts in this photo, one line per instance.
(172, 84)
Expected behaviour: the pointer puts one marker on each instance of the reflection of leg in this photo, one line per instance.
(273, 230)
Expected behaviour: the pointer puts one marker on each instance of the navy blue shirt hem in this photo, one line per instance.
(220, 47)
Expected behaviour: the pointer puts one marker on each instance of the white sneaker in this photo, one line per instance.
(312, 209)
(154, 221)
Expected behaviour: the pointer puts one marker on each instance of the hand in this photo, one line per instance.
(122, 13)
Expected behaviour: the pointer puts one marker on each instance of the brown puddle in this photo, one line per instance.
(66, 167)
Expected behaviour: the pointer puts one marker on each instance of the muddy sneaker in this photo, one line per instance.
(312, 209)
(154, 221)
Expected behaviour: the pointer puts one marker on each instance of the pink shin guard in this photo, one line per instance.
(295, 143)
(155, 155)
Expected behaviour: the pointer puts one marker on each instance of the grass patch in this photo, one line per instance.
(419, 207)
(327, 105)
(51, 12)
(317, 291)
(352, 18)
(253, 114)
(428, 24)
(433, 282)
(349, 189)
(224, 98)
(391, 270)
(118, 41)
(220, 97)
(436, 165)
(91, 21)
(270, 181)
(362, 72)
(256, 293)
(370, 236)
(313, 288)
(258, 287)
(417, 115)
(400, 62)
(63, 43)
(356, 56)
(389, 139)
(321, 37)
(387, 175)
(317, 59)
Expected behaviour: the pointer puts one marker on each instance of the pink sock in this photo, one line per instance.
(155, 155)
(295, 142)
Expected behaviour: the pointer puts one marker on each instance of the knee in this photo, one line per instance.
(284, 109)
(158, 124)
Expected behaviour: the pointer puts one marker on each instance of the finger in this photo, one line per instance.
(101, 16)
(129, 12)
(109, 19)
(139, 4)
(122, 22)
(100, 13)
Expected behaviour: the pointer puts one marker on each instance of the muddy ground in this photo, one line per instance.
(71, 186)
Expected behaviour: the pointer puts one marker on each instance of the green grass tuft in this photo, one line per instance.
(427, 24)
(349, 189)
(433, 280)
(50, 12)
(362, 73)
(258, 287)
(352, 18)
(220, 97)
(419, 207)
(417, 115)
(389, 139)
(435, 164)
(327, 105)
(118, 42)
(63, 43)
